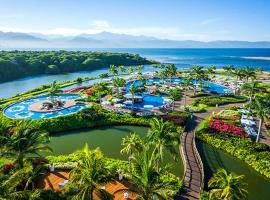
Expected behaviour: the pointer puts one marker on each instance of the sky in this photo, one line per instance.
(203, 20)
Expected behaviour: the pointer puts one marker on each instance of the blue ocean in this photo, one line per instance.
(184, 58)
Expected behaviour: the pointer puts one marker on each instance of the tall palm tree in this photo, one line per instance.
(186, 84)
(122, 69)
(239, 73)
(146, 180)
(198, 74)
(140, 68)
(90, 174)
(133, 89)
(130, 70)
(131, 144)
(164, 136)
(101, 86)
(118, 82)
(171, 70)
(25, 141)
(251, 89)
(227, 186)
(229, 69)
(262, 108)
(249, 73)
(113, 70)
(53, 91)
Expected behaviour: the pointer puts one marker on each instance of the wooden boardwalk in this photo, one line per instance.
(193, 179)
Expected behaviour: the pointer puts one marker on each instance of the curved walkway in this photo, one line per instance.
(193, 180)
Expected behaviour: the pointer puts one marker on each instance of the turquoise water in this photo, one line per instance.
(157, 101)
(182, 58)
(20, 109)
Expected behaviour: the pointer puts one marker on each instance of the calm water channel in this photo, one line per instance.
(109, 141)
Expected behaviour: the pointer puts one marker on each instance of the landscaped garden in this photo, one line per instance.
(162, 101)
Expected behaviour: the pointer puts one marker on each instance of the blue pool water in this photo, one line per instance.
(157, 101)
(20, 109)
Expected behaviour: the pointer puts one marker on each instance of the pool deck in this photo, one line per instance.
(37, 106)
(51, 180)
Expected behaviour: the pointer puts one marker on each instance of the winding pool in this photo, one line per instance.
(20, 110)
(157, 101)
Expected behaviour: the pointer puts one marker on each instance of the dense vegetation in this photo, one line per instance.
(256, 155)
(17, 64)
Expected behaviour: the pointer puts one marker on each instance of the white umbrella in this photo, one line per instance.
(127, 102)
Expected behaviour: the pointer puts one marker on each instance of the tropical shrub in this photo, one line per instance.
(255, 155)
(218, 100)
(216, 126)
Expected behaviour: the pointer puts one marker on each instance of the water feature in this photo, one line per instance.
(20, 110)
(108, 139)
(213, 159)
(157, 101)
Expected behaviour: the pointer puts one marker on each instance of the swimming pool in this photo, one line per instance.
(20, 110)
(151, 101)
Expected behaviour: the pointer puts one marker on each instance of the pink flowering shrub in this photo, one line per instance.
(217, 126)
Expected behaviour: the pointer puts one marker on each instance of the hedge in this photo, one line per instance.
(256, 155)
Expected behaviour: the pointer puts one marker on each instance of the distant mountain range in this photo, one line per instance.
(113, 40)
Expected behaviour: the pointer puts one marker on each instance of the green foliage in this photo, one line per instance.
(218, 100)
(16, 64)
(227, 186)
(253, 154)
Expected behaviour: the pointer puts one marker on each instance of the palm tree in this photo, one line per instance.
(198, 74)
(32, 175)
(229, 69)
(122, 69)
(133, 89)
(118, 82)
(131, 144)
(171, 70)
(113, 70)
(91, 173)
(186, 84)
(140, 68)
(175, 94)
(227, 186)
(101, 86)
(25, 141)
(251, 89)
(130, 70)
(262, 108)
(53, 91)
(239, 73)
(249, 73)
(163, 136)
(146, 180)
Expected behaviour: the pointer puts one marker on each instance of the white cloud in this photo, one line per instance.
(97, 26)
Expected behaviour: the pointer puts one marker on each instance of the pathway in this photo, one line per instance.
(193, 180)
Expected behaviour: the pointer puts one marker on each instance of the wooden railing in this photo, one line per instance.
(198, 157)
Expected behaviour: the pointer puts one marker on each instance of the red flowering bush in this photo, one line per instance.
(226, 117)
(225, 127)
(89, 92)
(7, 167)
